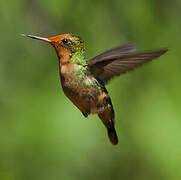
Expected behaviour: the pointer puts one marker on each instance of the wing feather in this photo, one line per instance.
(107, 67)
(113, 53)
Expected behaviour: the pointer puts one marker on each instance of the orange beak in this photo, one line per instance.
(38, 38)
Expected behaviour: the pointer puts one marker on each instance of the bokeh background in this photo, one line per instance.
(44, 136)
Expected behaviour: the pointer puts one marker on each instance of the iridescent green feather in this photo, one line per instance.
(78, 56)
(77, 50)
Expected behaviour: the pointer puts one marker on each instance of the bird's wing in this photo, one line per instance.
(119, 60)
(113, 53)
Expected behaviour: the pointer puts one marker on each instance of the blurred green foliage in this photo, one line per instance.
(44, 136)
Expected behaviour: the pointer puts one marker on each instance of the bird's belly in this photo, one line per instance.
(84, 96)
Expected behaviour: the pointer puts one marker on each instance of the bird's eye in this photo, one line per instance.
(65, 41)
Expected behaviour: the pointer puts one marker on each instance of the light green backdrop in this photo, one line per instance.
(44, 137)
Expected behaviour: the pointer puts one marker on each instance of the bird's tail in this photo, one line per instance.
(107, 117)
(112, 135)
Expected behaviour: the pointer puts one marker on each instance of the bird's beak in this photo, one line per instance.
(38, 38)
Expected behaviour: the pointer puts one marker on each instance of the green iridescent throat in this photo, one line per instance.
(79, 58)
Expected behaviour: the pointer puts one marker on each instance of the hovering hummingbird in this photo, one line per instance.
(83, 81)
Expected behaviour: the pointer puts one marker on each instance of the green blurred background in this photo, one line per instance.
(44, 136)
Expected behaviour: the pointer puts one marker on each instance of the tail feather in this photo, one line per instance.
(112, 135)
(107, 117)
(106, 114)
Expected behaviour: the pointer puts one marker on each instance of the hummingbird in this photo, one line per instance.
(83, 81)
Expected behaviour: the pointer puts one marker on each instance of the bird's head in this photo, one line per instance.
(66, 45)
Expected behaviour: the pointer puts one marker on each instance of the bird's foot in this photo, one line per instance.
(85, 114)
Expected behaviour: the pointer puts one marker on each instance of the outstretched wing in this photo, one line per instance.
(120, 60)
(113, 53)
